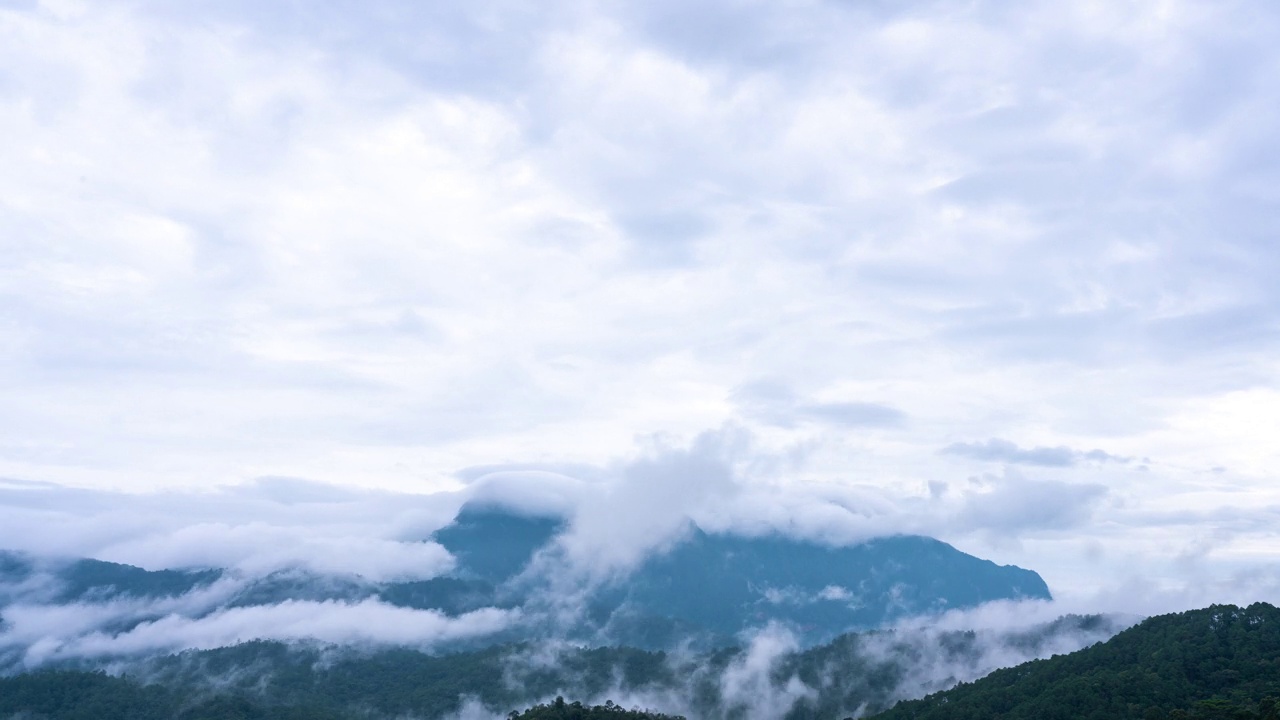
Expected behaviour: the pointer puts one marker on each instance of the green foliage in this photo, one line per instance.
(716, 582)
(1222, 663)
(77, 695)
(451, 595)
(561, 710)
(401, 681)
(1219, 663)
(66, 695)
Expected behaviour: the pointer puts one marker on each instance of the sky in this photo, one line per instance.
(289, 282)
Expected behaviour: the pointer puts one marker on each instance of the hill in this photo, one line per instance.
(271, 679)
(1219, 662)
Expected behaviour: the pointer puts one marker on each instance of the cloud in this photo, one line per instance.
(1147, 593)
(835, 592)
(762, 677)
(258, 549)
(648, 504)
(995, 635)
(368, 621)
(254, 528)
(997, 450)
(1014, 504)
(749, 683)
(286, 274)
(853, 414)
(528, 489)
(777, 404)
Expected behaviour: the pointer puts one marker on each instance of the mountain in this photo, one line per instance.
(726, 583)
(716, 585)
(1219, 662)
(86, 580)
(495, 544)
(702, 591)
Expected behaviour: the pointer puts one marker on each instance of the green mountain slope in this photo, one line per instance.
(85, 580)
(726, 583)
(67, 695)
(1219, 662)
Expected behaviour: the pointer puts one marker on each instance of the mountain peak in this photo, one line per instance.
(495, 542)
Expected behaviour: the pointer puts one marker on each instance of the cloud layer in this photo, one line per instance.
(375, 244)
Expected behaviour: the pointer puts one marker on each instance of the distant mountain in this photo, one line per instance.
(718, 585)
(85, 580)
(700, 592)
(726, 583)
(495, 544)
(1219, 662)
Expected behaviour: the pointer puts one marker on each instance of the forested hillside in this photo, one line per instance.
(561, 710)
(1222, 662)
(1219, 662)
(73, 695)
(271, 679)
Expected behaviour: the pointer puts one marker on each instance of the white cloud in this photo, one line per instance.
(368, 621)
(258, 549)
(748, 684)
(253, 529)
(1019, 503)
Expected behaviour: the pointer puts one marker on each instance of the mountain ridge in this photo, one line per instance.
(702, 589)
(722, 583)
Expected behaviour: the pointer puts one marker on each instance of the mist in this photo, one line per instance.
(616, 516)
(767, 674)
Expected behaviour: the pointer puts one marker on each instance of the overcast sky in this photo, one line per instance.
(1004, 273)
